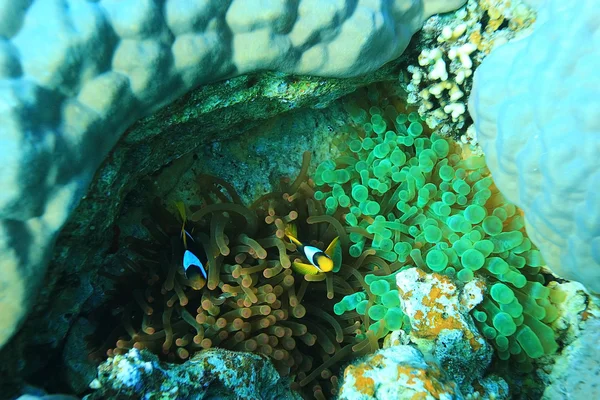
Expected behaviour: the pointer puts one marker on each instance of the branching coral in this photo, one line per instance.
(409, 197)
(252, 300)
(441, 82)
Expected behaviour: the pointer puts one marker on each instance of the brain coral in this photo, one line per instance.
(66, 101)
(535, 105)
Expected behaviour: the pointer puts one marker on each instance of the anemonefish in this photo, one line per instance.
(320, 261)
(193, 266)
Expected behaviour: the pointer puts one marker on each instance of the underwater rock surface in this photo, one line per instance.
(398, 372)
(575, 374)
(441, 324)
(214, 373)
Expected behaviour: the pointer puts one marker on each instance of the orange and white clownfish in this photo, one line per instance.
(194, 256)
(319, 261)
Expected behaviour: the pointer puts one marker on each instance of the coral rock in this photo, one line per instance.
(534, 103)
(209, 374)
(398, 372)
(575, 374)
(441, 324)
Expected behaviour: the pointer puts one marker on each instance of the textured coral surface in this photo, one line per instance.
(453, 48)
(535, 105)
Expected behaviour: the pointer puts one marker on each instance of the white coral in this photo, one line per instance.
(535, 104)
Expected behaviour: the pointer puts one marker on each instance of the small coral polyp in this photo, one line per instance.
(252, 300)
(410, 198)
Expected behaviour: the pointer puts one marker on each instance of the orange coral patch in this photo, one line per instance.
(404, 295)
(434, 323)
(430, 379)
(434, 295)
(363, 384)
(419, 314)
(585, 315)
(475, 344)
(406, 371)
(377, 361)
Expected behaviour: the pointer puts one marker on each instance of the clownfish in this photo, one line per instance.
(320, 261)
(193, 267)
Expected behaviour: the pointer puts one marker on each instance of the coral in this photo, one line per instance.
(442, 328)
(68, 100)
(441, 325)
(534, 104)
(574, 372)
(575, 306)
(410, 198)
(452, 48)
(398, 372)
(209, 374)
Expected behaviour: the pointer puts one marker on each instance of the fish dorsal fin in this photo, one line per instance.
(181, 208)
(334, 251)
(330, 250)
(291, 230)
(184, 236)
(292, 233)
